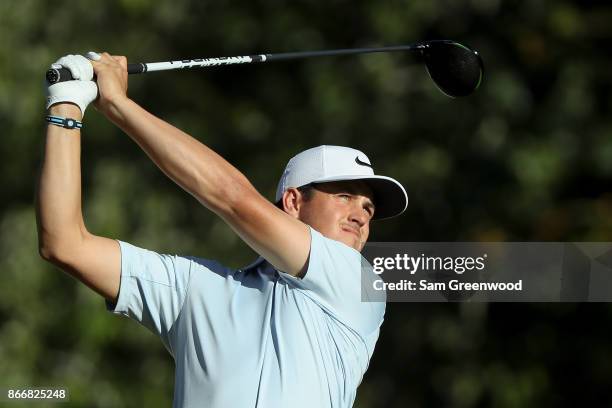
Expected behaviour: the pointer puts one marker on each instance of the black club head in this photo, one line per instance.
(456, 69)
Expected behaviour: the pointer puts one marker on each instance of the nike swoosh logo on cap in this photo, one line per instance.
(362, 163)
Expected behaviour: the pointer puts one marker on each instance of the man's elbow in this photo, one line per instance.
(57, 250)
(45, 252)
(232, 198)
(52, 253)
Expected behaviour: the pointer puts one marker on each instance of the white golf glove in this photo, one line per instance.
(81, 91)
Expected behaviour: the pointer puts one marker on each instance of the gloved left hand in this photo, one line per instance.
(81, 91)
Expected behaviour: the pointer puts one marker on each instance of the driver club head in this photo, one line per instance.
(457, 70)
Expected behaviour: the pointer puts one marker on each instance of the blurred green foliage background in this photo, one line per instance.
(526, 158)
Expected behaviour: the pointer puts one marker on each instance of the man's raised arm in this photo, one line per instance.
(281, 239)
(62, 236)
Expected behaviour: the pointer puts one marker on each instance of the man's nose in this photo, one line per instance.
(358, 215)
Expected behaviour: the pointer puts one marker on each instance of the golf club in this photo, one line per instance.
(456, 69)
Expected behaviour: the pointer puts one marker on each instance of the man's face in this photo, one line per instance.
(340, 210)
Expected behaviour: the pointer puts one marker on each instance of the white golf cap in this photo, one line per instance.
(326, 163)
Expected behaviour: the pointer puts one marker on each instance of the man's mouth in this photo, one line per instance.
(351, 230)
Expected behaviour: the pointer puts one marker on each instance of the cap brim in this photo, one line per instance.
(390, 197)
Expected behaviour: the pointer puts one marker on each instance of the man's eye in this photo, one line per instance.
(345, 197)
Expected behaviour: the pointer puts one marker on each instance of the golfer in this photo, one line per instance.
(289, 330)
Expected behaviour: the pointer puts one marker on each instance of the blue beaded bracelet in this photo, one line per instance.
(67, 123)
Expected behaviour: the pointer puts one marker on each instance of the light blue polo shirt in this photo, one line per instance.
(256, 337)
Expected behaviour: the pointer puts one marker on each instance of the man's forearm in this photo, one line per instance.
(193, 166)
(58, 200)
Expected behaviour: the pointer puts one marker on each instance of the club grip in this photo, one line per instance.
(55, 75)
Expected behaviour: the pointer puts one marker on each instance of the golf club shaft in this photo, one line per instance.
(55, 75)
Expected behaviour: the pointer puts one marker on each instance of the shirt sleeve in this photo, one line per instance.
(340, 280)
(153, 288)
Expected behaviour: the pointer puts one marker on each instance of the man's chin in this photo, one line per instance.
(359, 246)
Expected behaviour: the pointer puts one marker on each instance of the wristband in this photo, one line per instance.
(67, 123)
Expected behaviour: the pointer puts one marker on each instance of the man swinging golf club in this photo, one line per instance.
(289, 330)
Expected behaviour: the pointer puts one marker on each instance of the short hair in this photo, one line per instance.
(307, 191)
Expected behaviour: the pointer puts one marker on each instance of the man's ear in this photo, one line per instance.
(292, 199)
